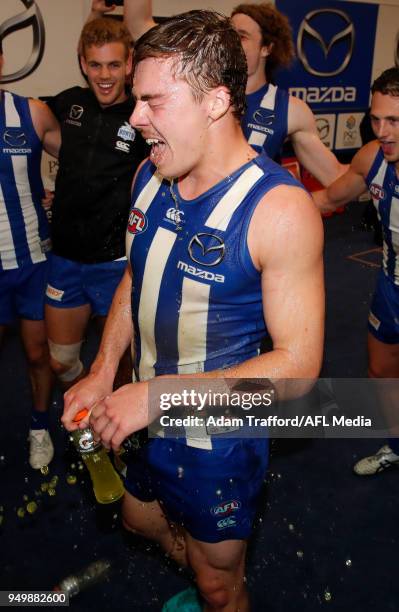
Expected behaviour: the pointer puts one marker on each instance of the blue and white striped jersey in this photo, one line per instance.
(265, 123)
(383, 184)
(24, 234)
(197, 298)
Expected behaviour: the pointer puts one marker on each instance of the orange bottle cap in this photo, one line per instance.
(80, 415)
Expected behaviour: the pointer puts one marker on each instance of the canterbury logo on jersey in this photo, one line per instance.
(122, 146)
(174, 215)
(205, 274)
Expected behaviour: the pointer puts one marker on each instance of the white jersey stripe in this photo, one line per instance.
(12, 118)
(394, 227)
(192, 326)
(269, 99)
(31, 222)
(222, 213)
(7, 255)
(143, 203)
(157, 258)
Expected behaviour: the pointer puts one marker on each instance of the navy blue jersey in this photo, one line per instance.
(383, 185)
(196, 298)
(24, 235)
(265, 123)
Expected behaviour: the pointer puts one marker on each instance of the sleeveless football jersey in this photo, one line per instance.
(24, 234)
(383, 185)
(196, 298)
(266, 119)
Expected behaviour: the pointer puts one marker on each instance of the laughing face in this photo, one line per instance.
(106, 68)
(384, 115)
(169, 118)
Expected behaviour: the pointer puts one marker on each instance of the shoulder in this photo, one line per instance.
(300, 115)
(365, 157)
(283, 221)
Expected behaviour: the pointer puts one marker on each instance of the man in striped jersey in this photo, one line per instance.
(218, 246)
(376, 167)
(26, 126)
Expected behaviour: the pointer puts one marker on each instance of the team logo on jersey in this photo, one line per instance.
(377, 192)
(137, 223)
(263, 116)
(14, 137)
(126, 132)
(226, 508)
(206, 249)
(173, 215)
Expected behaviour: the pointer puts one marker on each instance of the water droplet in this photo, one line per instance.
(218, 492)
(327, 595)
(51, 492)
(31, 507)
(44, 470)
(299, 554)
(71, 479)
(44, 486)
(54, 482)
(25, 498)
(348, 563)
(20, 512)
(291, 527)
(180, 472)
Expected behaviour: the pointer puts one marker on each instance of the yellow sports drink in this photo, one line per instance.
(107, 485)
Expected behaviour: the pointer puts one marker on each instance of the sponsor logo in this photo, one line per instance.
(54, 294)
(122, 146)
(308, 32)
(126, 132)
(377, 191)
(318, 95)
(16, 151)
(226, 508)
(323, 127)
(205, 274)
(31, 17)
(174, 215)
(137, 223)
(206, 249)
(350, 122)
(263, 116)
(76, 112)
(14, 137)
(226, 522)
(374, 321)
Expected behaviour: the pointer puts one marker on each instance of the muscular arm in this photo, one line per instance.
(137, 15)
(350, 185)
(308, 147)
(99, 9)
(46, 126)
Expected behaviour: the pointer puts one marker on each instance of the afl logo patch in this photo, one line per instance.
(137, 223)
(377, 192)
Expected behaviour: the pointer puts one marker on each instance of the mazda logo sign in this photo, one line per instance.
(308, 31)
(323, 127)
(31, 17)
(206, 249)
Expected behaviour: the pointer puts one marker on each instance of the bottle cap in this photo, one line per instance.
(80, 415)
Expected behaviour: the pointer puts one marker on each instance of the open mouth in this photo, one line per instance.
(157, 150)
(105, 88)
(387, 147)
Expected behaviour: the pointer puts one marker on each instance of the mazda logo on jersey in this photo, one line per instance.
(76, 112)
(262, 116)
(14, 137)
(31, 17)
(336, 47)
(137, 223)
(206, 249)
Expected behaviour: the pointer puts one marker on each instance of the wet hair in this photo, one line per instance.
(103, 31)
(208, 53)
(275, 29)
(387, 83)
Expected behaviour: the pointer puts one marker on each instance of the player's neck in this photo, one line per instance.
(222, 157)
(255, 82)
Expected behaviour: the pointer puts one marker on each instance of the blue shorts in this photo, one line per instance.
(22, 293)
(212, 493)
(384, 311)
(72, 284)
